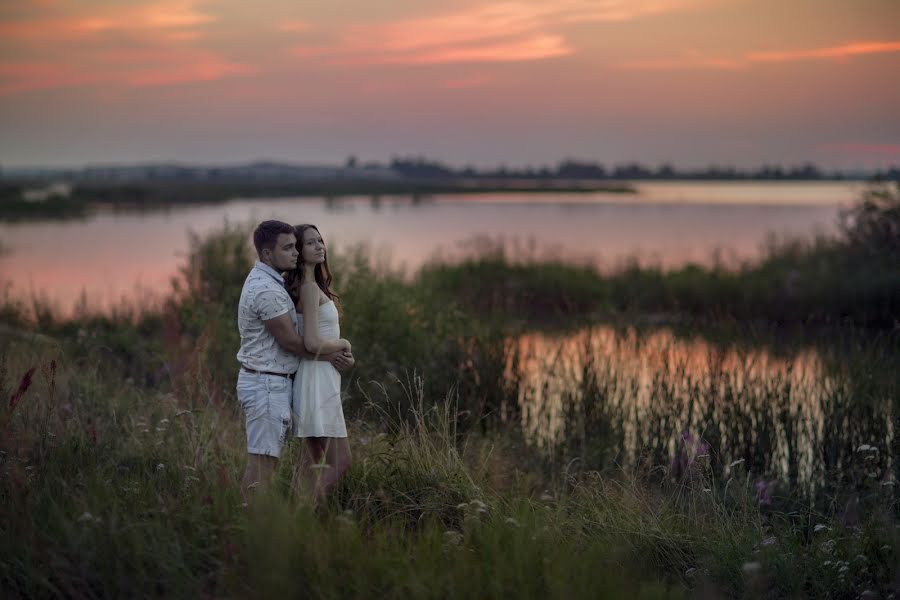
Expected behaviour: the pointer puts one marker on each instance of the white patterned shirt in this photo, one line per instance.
(262, 298)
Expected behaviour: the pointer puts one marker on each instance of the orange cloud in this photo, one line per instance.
(164, 30)
(164, 15)
(144, 69)
(835, 52)
(694, 60)
(505, 32)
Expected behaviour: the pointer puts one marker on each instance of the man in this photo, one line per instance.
(270, 352)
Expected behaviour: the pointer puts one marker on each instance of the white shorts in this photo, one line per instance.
(266, 400)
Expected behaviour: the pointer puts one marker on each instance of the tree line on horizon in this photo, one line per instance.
(419, 168)
(422, 168)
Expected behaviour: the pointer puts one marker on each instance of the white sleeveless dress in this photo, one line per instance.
(316, 403)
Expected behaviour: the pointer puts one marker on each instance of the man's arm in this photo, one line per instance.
(282, 329)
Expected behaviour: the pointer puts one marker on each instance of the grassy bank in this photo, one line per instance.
(109, 488)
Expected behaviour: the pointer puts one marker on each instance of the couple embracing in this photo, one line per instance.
(291, 353)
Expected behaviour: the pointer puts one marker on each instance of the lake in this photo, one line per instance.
(112, 256)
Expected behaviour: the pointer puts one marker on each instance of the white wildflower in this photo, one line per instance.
(769, 541)
(345, 519)
(160, 467)
(452, 538)
(750, 568)
(512, 521)
(867, 448)
(821, 527)
(86, 518)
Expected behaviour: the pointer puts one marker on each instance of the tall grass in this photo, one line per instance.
(109, 489)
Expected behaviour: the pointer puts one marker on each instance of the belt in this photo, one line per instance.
(255, 372)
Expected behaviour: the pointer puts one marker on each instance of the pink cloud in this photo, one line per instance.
(165, 30)
(525, 49)
(695, 60)
(505, 32)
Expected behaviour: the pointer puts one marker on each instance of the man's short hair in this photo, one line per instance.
(266, 234)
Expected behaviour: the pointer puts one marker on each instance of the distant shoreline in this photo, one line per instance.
(26, 201)
(62, 200)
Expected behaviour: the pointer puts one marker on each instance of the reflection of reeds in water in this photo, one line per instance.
(601, 397)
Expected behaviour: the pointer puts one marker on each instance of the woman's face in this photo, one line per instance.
(312, 250)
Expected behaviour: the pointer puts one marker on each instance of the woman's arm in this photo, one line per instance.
(309, 300)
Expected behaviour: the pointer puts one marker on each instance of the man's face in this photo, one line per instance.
(284, 256)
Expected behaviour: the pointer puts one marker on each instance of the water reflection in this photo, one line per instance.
(108, 254)
(605, 396)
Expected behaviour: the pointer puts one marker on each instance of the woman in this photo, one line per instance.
(318, 416)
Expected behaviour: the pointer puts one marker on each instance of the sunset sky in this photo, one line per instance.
(528, 82)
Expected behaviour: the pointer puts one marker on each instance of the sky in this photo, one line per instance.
(518, 83)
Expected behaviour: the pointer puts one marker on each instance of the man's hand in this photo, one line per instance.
(342, 360)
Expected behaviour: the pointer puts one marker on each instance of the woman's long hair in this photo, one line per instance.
(293, 279)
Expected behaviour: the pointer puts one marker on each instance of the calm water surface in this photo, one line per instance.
(110, 256)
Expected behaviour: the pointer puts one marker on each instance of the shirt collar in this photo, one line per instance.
(269, 271)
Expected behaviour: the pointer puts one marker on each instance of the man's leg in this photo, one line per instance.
(266, 400)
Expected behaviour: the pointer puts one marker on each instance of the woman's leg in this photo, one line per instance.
(306, 478)
(337, 456)
(324, 462)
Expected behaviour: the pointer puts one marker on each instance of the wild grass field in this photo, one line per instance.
(476, 474)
